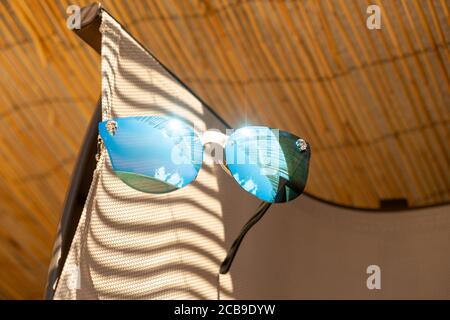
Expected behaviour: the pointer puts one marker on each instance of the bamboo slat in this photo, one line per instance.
(374, 104)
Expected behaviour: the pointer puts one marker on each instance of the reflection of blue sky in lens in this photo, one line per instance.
(256, 160)
(157, 147)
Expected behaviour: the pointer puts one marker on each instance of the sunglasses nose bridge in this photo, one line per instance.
(219, 138)
(214, 136)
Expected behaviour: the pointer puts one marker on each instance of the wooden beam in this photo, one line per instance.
(81, 179)
(90, 26)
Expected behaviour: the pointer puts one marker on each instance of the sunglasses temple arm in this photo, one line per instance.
(226, 264)
(262, 209)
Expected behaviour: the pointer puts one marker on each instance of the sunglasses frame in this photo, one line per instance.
(215, 137)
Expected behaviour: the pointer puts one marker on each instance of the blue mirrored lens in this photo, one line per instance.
(260, 158)
(151, 153)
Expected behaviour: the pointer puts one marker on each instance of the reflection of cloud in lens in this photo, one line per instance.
(174, 179)
(160, 174)
(248, 185)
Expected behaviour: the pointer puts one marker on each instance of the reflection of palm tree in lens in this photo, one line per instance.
(277, 155)
(297, 164)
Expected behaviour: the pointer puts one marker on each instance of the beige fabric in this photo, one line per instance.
(135, 245)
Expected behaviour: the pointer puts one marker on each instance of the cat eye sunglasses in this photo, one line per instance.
(156, 154)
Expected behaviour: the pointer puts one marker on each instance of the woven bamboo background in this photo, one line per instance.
(374, 104)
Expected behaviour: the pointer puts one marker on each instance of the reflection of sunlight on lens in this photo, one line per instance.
(175, 124)
(246, 132)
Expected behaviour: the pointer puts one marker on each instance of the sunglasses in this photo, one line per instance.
(155, 154)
